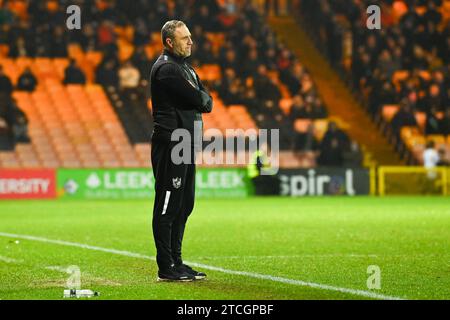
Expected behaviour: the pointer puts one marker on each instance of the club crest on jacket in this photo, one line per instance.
(176, 182)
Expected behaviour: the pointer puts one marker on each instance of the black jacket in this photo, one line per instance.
(178, 96)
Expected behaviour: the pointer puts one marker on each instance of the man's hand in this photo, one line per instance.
(207, 103)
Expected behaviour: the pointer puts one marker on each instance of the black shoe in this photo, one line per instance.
(175, 275)
(186, 269)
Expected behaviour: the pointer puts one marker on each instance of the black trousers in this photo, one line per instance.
(174, 201)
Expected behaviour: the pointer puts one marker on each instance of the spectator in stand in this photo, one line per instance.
(43, 40)
(52, 13)
(247, 36)
(106, 35)
(250, 100)
(307, 85)
(5, 83)
(318, 109)
(252, 63)
(331, 153)
(284, 61)
(269, 59)
(141, 33)
(334, 133)
(199, 36)
(202, 17)
(430, 161)
(306, 141)
(204, 54)
(438, 79)
(444, 123)
(234, 92)
(353, 157)
(17, 121)
(6, 15)
(4, 33)
(432, 122)
(4, 104)
(419, 42)
(19, 48)
(298, 110)
(433, 100)
(107, 74)
(412, 100)
(404, 117)
(223, 83)
(228, 61)
(445, 47)
(73, 74)
(266, 90)
(294, 76)
(140, 60)
(58, 43)
(271, 7)
(129, 78)
(443, 159)
(385, 64)
(381, 96)
(87, 38)
(27, 81)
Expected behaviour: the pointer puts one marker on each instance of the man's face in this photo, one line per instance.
(182, 42)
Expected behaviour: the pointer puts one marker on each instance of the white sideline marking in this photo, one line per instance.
(9, 260)
(57, 268)
(362, 293)
(294, 256)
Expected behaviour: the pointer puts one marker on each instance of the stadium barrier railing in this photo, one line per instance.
(135, 183)
(413, 180)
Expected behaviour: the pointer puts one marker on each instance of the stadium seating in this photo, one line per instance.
(410, 65)
(78, 126)
(70, 126)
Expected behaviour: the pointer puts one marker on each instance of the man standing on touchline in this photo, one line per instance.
(178, 100)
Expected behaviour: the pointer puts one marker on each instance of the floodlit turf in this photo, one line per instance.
(327, 242)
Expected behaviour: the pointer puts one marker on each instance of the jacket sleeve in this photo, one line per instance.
(207, 107)
(171, 77)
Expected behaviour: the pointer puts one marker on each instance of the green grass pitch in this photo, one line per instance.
(257, 248)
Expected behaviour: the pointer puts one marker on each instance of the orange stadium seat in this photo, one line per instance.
(415, 140)
(217, 39)
(320, 127)
(399, 9)
(388, 111)
(210, 72)
(421, 118)
(407, 132)
(288, 160)
(125, 50)
(285, 105)
(301, 125)
(72, 126)
(4, 50)
(438, 139)
(399, 76)
(445, 11)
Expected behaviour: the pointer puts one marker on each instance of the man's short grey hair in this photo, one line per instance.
(168, 29)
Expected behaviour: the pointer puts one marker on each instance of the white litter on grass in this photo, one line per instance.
(86, 276)
(361, 293)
